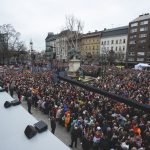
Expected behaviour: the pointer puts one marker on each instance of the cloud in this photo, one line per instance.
(35, 18)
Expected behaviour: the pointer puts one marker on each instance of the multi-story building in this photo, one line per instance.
(50, 46)
(139, 40)
(90, 44)
(62, 45)
(114, 40)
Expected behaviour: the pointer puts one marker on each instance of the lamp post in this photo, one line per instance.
(32, 55)
(104, 61)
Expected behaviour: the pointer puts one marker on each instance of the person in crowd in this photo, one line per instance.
(74, 136)
(121, 126)
(53, 124)
(29, 104)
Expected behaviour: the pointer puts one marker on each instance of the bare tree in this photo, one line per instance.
(75, 28)
(111, 57)
(10, 44)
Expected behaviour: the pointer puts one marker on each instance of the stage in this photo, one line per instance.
(13, 122)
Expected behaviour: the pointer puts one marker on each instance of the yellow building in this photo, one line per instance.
(90, 44)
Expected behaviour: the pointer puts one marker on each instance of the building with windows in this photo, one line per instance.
(139, 40)
(90, 44)
(62, 45)
(114, 40)
(50, 46)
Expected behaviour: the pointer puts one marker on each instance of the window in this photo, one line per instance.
(111, 47)
(93, 47)
(142, 35)
(148, 59)
(124, 40)
(123, 48)
(112, 41)
(140, 53)
(133, 36)
(116, 41)
(142, 41)
(134, 24)
(107, 42)
(144, 22)
(116, 48)
(131, 48)
(141, 46)
(140, 59)
(131, 53)
(102, 42)
(132, 42)
(130, 59)
(120, 41)
(119, 48)
(148, 54)
(133, 30)
(144, 29)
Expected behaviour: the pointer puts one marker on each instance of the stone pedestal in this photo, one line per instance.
(74, 65)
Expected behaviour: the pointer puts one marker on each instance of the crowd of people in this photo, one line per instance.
(99, 122)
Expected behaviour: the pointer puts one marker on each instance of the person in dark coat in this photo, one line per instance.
(74, 136)
(53, 124)
(29, 104)
(85, 143)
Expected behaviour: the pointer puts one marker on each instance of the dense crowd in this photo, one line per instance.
(99, 122)
(128, 83)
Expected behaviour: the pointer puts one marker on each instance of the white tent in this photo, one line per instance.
(142, 66)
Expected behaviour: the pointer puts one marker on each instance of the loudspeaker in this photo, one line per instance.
(2, 90)
(15, 102)
(7, 104)
(30, 131)
(41, 126)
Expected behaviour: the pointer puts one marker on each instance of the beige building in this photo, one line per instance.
(90, 44)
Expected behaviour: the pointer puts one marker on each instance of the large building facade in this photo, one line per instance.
(62, 45)
(50, 46)
(139, 40)
(90, 44)
(114, 40)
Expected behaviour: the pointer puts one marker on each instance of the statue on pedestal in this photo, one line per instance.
(74, 60)
(73, 54)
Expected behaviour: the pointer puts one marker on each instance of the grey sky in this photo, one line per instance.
(35, 18)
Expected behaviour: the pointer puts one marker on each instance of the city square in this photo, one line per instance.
(91, 89)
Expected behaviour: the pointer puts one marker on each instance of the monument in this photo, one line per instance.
(74, 61)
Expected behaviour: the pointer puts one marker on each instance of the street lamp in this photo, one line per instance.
(31, 51)
(104, 60)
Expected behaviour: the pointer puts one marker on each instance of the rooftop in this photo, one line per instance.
(115, 31)
(142, 17)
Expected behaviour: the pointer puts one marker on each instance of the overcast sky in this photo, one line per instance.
(35, 18)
